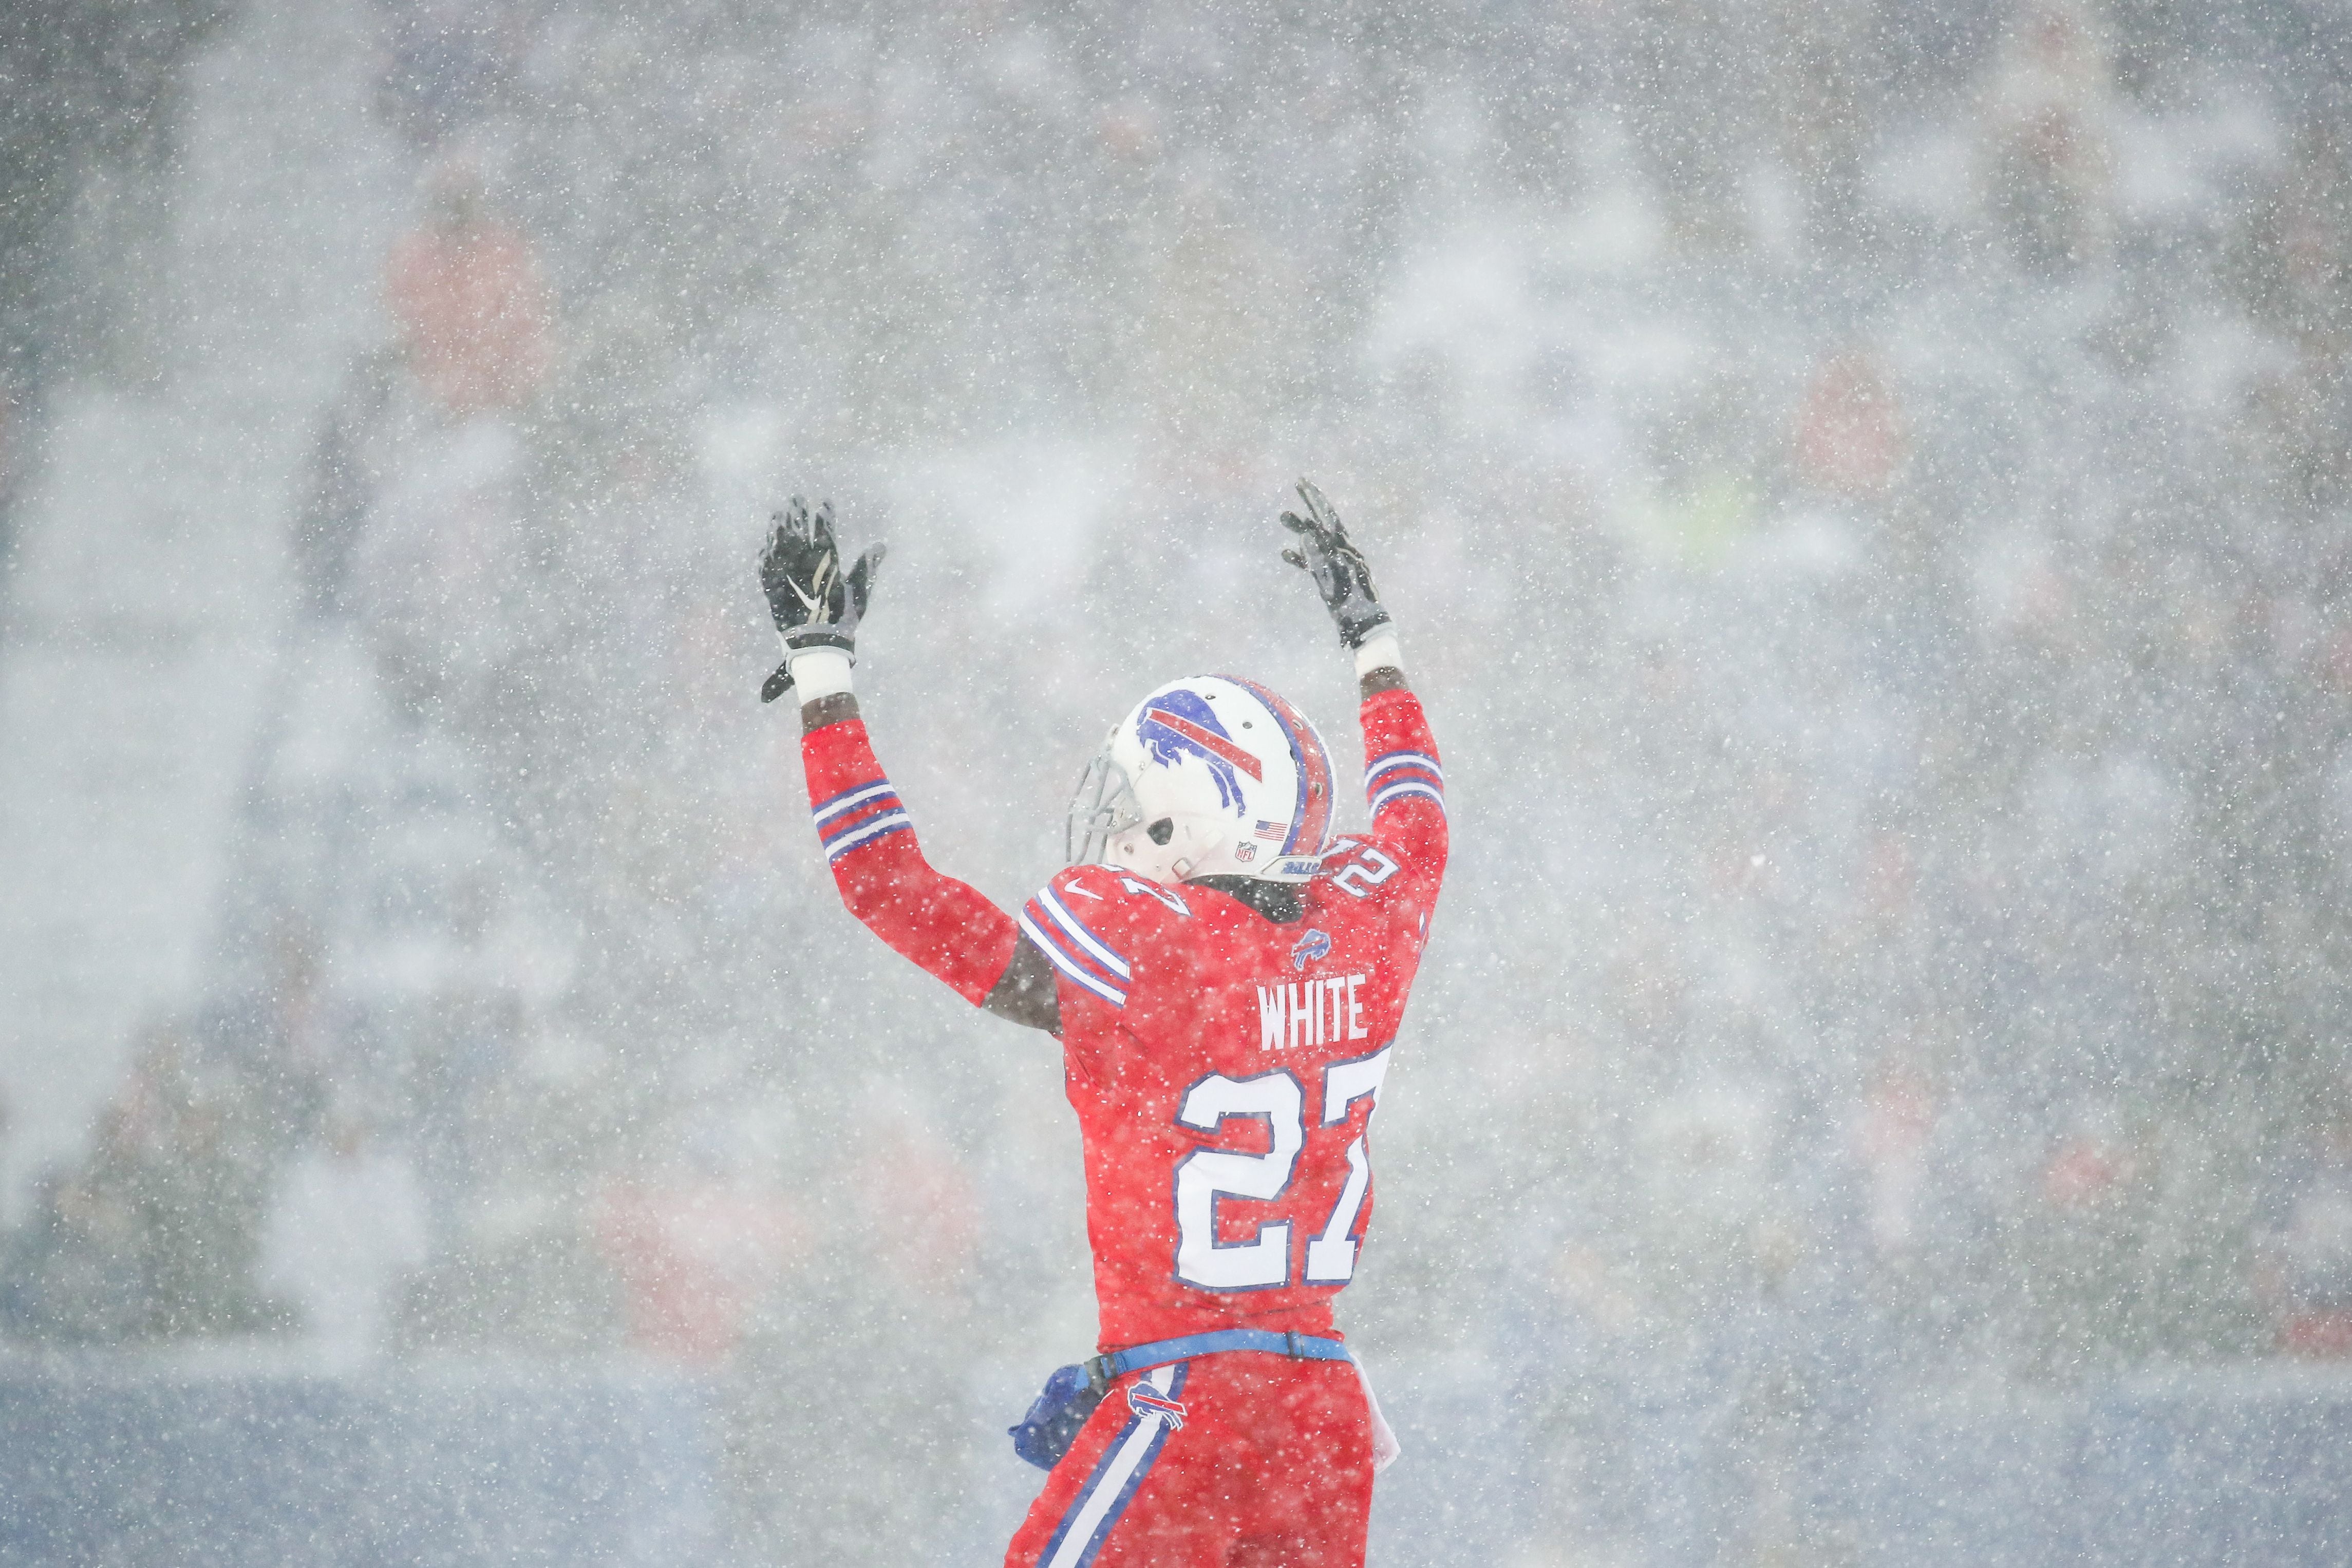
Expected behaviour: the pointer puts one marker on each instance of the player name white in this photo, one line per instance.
(1296, 1014)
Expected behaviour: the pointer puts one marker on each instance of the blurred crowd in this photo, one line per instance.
(1876, 552)
(90, 100)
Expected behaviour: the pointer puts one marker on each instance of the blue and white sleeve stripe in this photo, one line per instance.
(1094, 945)
(1088, 960)
(859, 816)
(1396, 774)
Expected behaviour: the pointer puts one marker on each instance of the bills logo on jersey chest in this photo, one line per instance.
(1329, 1010)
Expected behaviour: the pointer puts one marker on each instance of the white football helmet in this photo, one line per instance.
(1209, 776)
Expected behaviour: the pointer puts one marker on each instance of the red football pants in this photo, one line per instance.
(1267, 1462)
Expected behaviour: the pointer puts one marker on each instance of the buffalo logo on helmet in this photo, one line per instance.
(1181, 724)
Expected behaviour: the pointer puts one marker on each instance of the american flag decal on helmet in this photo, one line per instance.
(1274, 830)
(1396, 774)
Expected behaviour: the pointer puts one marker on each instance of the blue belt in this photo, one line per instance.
(1104, 1369)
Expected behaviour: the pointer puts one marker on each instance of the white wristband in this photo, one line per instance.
(1377, 653)
(820, 672)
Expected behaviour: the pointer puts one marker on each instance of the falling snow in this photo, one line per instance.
(1865, 492)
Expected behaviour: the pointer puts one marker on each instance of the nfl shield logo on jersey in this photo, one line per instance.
(1146, 1400)
(1313, 945)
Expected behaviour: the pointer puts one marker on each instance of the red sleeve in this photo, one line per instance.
(1405, 787)
(934, 920)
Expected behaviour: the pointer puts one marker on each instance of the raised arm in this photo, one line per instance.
(926, 917)
(1404, 783)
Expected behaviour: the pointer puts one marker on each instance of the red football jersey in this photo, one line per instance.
(1224, 1067)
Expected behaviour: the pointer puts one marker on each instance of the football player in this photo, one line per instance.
(1226, 979)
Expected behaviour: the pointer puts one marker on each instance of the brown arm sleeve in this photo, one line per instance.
(1027, 993)
(834, 710)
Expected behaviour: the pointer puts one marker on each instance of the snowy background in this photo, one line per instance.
(1866, 488)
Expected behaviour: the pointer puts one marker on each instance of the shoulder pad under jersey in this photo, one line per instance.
(1085, 920)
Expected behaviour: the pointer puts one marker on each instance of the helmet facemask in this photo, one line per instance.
(1108, 826)
(1102, 807)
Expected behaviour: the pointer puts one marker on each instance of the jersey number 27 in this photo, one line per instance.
(1205, 1175)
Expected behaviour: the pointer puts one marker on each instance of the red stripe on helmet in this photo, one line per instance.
(1312, 818)
(1209, 741)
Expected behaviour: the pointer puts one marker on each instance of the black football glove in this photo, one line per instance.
(813, 604)
(1340, 573)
